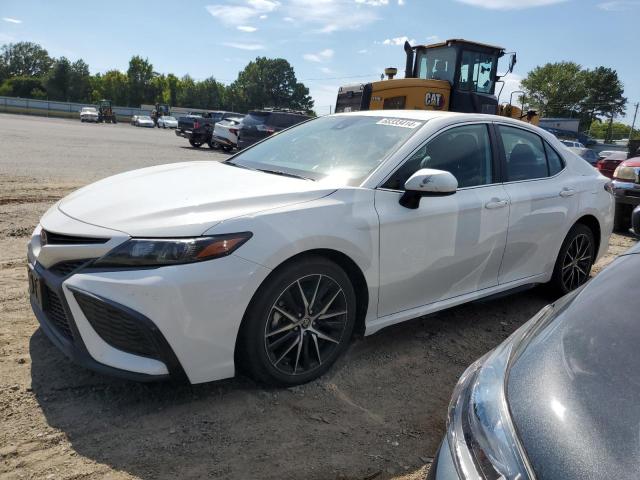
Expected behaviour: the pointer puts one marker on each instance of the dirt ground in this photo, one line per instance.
(379, 413)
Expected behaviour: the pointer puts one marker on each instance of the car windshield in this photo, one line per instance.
(88, 109)
(172, 119)
(341, 148)
(144, 117)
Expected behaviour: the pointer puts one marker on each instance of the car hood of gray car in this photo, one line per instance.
(574, 392)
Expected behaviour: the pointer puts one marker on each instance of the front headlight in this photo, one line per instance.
(481, 435)
(625, 173)
(143, 252)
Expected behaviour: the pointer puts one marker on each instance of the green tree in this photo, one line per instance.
(24, 59)
(173, 85)
(25, 87)
(79, 82)
(113, 86)
(139, 75)
(58, 81)
(556, 89)
(269, 82)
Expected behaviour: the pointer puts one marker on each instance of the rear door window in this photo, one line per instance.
(525, 154)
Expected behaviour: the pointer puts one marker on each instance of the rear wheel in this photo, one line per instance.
(573, 265)
(212, 145)
(195, 144)
(298, 324)
(227, 148)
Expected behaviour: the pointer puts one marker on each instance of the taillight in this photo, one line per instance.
(233, 131)
(196, 124)
(599, 164)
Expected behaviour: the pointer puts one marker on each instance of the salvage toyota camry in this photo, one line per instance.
(271, 260)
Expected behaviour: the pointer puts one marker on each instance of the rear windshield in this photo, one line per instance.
(255, 118)
(274, 119)
(344, 149)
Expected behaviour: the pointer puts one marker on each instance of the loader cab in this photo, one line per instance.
(469, 67)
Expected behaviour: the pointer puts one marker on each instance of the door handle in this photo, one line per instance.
(496, 203)
(567, 192)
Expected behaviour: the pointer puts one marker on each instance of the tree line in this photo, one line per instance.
(566, 89)
(28, 71)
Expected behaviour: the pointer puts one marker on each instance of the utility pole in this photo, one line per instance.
(633, 124)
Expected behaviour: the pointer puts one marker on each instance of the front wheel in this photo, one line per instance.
(298, 323)
(573, 265)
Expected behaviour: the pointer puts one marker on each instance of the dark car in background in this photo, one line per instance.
(559, 398)
(608, 164)
(259, 124)
(589, 155)
(198, 126)
(626, 190)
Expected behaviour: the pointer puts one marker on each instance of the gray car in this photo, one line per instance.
(560, 398)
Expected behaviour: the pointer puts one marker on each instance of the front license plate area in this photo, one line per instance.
(36, 289)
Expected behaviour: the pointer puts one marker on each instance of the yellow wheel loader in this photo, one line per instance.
(455, 75)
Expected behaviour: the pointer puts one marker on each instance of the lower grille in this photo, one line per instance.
(117, 327)
(63, 269)
(56, 313)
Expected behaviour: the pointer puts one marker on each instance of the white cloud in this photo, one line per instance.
(321, 56)
(618, 5)
(11, 20)
(327, 16)
(244, 46)
(510, 4)
(363, 51)
(288, 19)
(264, 17)
(375, 3)
(398, 41)
(400, 2)
(246, 28)
(240, 13)
(326, 70)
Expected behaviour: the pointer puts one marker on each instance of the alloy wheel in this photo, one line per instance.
(577, 261)
(306, 324)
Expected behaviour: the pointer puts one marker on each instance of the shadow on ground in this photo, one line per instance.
(380, 412)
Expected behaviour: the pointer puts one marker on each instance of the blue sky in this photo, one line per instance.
(329, 42)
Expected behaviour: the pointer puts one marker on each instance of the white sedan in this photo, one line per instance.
(167, 122)
(271, 260)
(88, 114)
(144, 121)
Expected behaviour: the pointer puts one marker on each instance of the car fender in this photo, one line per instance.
(344, 221)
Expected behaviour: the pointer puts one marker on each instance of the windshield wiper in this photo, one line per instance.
(284, 174)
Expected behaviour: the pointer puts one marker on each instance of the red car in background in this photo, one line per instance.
(609, 164)
(626, 189)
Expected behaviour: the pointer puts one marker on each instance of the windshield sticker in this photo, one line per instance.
(399, 122)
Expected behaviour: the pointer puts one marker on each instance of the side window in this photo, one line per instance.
(525, 154)
(555, 162)
(475, 72)
(464, 151)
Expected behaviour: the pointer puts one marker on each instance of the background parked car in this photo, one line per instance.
(606, 153)
(559, 398)
(144, 121)
(259, 124)
(626, 189)
(573, 144)
(198, 127)
(133, 120)
(609, 164)
(589, 155)
(225, 134)
(89, 114)
(167, 122)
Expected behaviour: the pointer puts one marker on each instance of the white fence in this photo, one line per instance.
(49, 108)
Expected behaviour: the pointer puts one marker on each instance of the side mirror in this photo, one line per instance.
(427, 182)
(635, 221)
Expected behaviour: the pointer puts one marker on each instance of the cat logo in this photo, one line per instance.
(435, 100)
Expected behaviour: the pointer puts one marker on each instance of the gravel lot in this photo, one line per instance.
(379, 413)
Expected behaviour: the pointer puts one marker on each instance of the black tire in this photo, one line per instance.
(302, 351)
(195, 144)
(212, 145)
(622, 217)
(574, 262)
(227, 148)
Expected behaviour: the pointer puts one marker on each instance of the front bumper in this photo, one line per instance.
(443, 467)
(627, 193)
(189, 314)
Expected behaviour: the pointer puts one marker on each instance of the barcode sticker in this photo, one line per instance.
(399, 122)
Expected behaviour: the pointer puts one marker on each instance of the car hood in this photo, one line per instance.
(632, 162)
(184, 199)
(574, 390)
